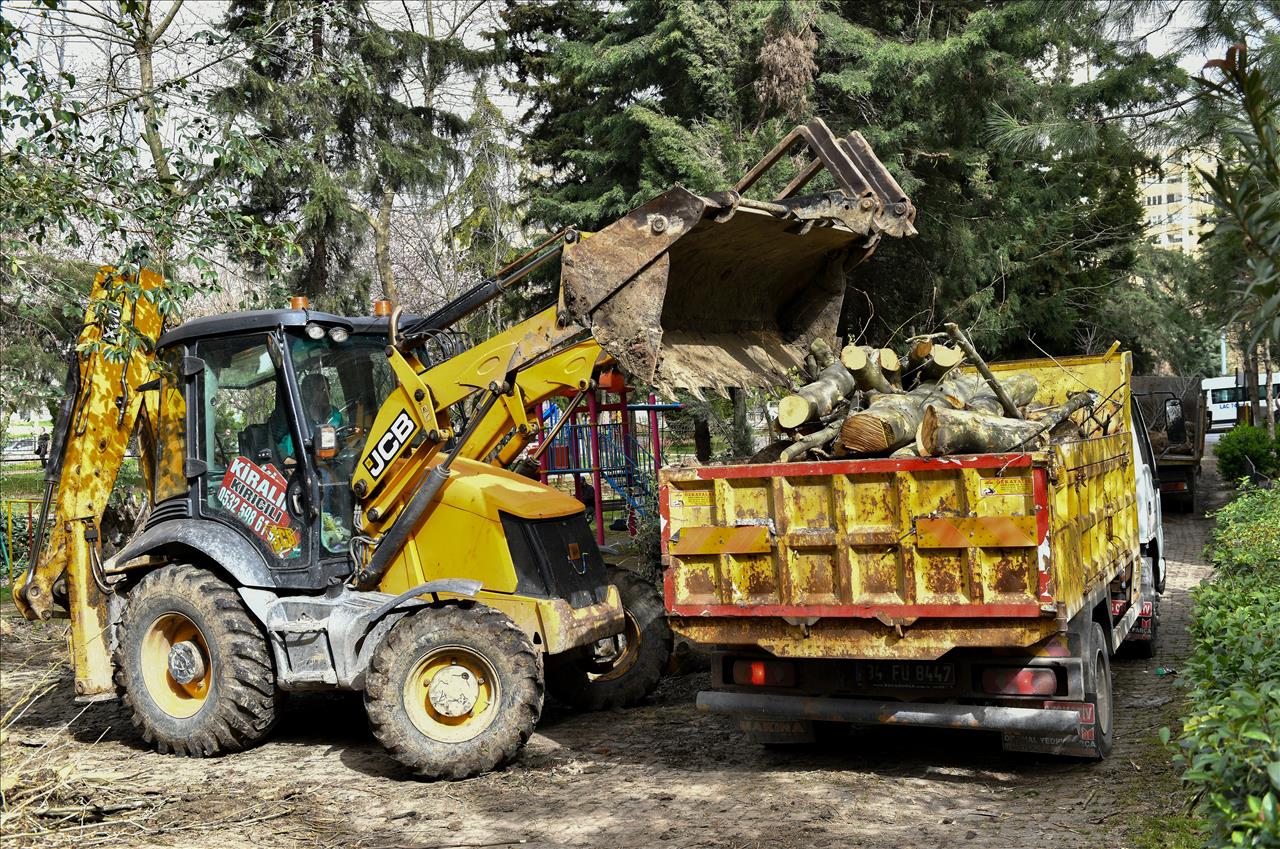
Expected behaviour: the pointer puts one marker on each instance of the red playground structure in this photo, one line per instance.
(611, 449)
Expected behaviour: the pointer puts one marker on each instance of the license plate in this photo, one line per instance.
(905, 674)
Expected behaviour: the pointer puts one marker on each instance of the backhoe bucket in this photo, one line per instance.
(712, 292)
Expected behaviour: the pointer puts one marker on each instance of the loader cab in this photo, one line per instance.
(243, 402)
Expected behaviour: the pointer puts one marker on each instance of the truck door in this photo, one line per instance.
(1150, 519)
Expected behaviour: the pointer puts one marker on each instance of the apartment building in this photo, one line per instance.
(1175, 204)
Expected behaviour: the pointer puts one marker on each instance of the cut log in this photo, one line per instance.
(822, 353)
(891, 421)
(946, 431)
(816, 399)
(862, 363)
(941, 360)
(890, 366)
(1022, 389)
(817, 439)
(918, 353)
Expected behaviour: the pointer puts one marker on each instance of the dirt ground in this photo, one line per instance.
(656, 775)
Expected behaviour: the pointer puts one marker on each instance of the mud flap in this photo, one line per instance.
(1078, 744)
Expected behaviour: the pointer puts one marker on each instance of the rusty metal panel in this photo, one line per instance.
(713, 540)
(853, 539)
(983, 531)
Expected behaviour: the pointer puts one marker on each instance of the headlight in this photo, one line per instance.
(339, 334)
(315, 331)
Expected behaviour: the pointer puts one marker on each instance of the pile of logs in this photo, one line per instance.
(875, 402)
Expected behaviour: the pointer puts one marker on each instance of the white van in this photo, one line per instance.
(1224, 394)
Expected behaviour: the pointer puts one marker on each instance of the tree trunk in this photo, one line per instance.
(817, 399)
(1271, 391)
(702, 440)
(1250, 363)
(1021, 388)
(381, 226)
(741, 433)
(945, 431)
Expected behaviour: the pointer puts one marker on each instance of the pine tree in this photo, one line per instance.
(1016, 245)
(353, 106)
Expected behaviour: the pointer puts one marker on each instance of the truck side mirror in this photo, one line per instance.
(1176, 422)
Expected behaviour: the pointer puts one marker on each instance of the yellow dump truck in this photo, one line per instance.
(986, 591)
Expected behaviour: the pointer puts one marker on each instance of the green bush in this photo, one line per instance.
(1231, 739)
(1246, 441)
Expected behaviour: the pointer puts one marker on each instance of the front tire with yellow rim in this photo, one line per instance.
(192, 666)
(453, 692)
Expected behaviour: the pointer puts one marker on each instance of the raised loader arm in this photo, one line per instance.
(683, 292)
(93, 430)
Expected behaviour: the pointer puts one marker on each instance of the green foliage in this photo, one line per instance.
(328, 89)
(1231, 739)
(70, 179)
(1246, 441)
(1245, 186)
(1015, 241)
(1246, 534)
(41, 323)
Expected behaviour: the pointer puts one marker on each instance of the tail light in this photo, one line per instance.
(1020, 682)
(764, 673)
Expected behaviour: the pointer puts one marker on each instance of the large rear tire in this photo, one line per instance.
(192, 666)
(454, 692)
(620, 671)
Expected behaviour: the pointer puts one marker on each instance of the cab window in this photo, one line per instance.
(243, 424)
(170, 479)
(342, 381)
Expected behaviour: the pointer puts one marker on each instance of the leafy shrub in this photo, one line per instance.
(1246, 535)
(1246, 441)
(1231, 739)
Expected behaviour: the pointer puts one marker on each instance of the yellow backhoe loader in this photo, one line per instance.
(331, 506)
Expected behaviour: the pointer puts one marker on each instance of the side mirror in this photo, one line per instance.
(1176, 422)
(326, 442)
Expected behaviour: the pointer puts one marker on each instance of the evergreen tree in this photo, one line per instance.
(1017, 243)
(352, 104)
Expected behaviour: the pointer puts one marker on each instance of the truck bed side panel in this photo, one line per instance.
(1093, 516)
(864, 538)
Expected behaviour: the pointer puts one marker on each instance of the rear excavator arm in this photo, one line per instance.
(93, 431)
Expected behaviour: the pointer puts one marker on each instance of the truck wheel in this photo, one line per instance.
(192, 666)
(453, 692)
(1098, 692)
(620, 671)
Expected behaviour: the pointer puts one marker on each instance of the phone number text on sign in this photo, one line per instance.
(255, 495)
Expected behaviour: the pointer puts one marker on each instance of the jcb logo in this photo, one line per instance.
(386, 448)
